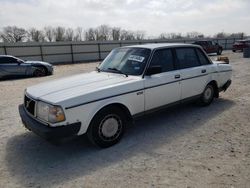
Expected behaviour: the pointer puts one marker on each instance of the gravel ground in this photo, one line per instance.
(185, 146)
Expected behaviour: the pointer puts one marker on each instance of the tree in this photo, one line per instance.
(78, 34)
(90, 34)
(116, 33)
(221, 35)
(69, 35)
(163, 36)
(59, 33)
(139, 35)
(103, 32)
(194, 34)
(127, 35)
(238, 35)
(36, 35)
(13, 34)
(49, 33)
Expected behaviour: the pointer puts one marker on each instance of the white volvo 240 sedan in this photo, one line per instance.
(131, 81)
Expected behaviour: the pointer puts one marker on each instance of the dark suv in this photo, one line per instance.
(210, 46)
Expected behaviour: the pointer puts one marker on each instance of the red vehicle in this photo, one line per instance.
(210, 46)
(239, 45)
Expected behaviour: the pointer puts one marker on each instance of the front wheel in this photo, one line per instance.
(207, 96)
(107, 127)
(40, 71)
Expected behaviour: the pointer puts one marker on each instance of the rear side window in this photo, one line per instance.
(187, 58)
(163, 58)
(202, 58)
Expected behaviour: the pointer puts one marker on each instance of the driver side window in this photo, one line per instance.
(163, 58)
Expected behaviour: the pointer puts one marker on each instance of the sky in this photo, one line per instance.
(152, 16)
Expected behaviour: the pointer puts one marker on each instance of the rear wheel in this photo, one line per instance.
(40, 71)
(107, 127)
(207, 95)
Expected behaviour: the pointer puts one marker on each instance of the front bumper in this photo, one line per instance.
(49, 133)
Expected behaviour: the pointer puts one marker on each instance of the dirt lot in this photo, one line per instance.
(185, 146)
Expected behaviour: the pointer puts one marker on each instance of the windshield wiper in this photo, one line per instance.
(118, 71)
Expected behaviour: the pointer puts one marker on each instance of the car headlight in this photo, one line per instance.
(49, 113)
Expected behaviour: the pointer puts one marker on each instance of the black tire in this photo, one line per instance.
(207, 96)
(219, 51)
(40, 71)
(107, 127)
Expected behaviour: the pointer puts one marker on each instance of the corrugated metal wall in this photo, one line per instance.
(73, 52)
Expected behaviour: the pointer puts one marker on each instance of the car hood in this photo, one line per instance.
(37, 63)
(83, 88)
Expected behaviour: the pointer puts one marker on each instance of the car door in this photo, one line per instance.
(163, 87)
(214, 47)
(193, 75)
(12, 67)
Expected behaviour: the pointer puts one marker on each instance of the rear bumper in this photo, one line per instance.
(225, 86)
(49, 133)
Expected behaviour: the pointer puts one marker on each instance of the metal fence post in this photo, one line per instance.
(41, 51)
(5, 51)
(99, 51)
(72, 54)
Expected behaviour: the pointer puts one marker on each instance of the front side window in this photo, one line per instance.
(130, 61)
(187, 58)
(164, 59)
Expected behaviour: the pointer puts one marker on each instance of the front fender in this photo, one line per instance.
(85, 113)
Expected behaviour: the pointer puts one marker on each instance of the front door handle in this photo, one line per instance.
(203, 70)
(177, 76)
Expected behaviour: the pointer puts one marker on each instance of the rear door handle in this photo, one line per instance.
(203, 70)
(177, 76)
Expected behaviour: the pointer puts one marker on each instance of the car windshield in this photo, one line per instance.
(129, 61)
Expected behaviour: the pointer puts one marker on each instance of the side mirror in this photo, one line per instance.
(154, 70)
(19, 62)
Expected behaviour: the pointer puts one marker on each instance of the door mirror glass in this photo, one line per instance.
(154, 70)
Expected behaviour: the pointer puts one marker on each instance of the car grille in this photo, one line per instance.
(29, 105)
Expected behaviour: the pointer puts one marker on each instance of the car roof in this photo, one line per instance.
(6, 56)
(160, 45)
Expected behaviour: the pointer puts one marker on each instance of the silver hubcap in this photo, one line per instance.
(110, 127)
(208, 93)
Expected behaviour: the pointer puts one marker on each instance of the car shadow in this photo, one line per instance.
(31, 161)
(13, 78)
